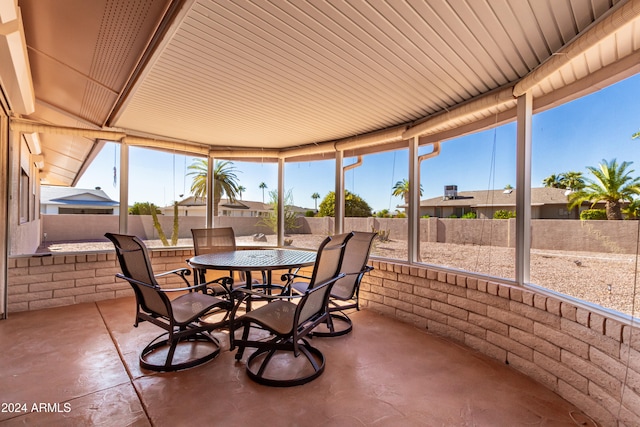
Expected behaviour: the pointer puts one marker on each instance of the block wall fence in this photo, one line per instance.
(586, 356)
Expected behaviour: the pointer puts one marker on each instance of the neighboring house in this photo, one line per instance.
(68, 200)
(546, 203)
(192, 206)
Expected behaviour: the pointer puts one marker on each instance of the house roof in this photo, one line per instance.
(480, 198)
(52, 195)
(239, 204)
(266, 79)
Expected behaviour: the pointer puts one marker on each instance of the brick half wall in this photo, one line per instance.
(588, 358)
(37, 282)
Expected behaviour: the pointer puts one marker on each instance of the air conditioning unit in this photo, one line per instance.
(450, 192)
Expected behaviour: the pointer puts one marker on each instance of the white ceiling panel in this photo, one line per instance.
(275, 74)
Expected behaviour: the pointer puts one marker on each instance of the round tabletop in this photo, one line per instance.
(254, 259)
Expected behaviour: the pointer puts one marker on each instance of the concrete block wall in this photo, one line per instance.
(37, 282)
(590, 359)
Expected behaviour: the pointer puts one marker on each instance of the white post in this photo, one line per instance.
(523, 188)
(339, 205)
(124, 187)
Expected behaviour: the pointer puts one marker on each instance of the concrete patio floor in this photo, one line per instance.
(78, 365)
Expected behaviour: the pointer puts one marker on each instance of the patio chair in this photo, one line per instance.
(276, 360)
(345, 292)
(187, 341)
(213, 240)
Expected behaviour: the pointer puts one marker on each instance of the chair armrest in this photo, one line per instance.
(182, 272)
(190, 288)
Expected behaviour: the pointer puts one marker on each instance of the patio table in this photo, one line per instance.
(254, 260)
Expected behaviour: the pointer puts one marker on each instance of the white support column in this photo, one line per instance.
(339, 205)
(413, 210)
(523, 188)
(281, 202)
(124, 187)
(209, 200)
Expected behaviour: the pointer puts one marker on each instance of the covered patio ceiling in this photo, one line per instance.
(263, 78)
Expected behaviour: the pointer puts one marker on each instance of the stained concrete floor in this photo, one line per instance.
(78, 366)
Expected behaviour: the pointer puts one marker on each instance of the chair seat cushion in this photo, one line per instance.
(277, 316)
(188, 307)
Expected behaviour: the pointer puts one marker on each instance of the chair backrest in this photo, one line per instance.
(356, 256)
(329, 258)
(211, 240)
(136, 269)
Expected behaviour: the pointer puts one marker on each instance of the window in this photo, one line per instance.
(309, 185)
(467, 198)
(379, 183)
(25, 196)
(576, 249)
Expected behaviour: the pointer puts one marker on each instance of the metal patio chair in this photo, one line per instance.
(214, 240)
(187, 341)
(345, 292)
(288, 325)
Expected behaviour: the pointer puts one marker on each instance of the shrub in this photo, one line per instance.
(452, 216)
(309, 214)
(354, 205)
(469, 215)
(425, 216)
(503, 214)
(594, 214)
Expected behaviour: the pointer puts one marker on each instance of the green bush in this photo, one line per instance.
(469, 215)
(452, 216)
(595, 214)
(425, 216)
(310, 214)
(354, 205)
(503, 214)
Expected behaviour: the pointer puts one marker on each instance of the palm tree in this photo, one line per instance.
(315, 197)
(262, 186)
(241, 189)
(612, 185)
(224, 181)
(553, 181)
(632, 211)
(401, 189)
(572, 180)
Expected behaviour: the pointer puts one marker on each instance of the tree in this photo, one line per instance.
(262, 186)
(224, 181)
(401, 189)
(315, 197)
(146, 208)
(612, 185)
(552, 181)
(569, 180)
(241, 189)
(354, 205)
(143, 208)
(632, 211)
(572, 181)
(290, 217)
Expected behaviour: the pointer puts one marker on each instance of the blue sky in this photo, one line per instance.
(567, 138)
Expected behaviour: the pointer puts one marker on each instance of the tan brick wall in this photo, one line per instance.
(49, 281)
(588, 358)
